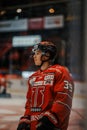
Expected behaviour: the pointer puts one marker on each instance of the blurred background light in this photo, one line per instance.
(19, 10)
(51, 10)
(2, 12)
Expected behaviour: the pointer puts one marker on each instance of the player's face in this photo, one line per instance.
(37, 57)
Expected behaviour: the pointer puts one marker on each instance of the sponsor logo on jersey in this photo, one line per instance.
(48, 80)
(32, 80)
(38, 83)
(50, 77)
(36, 109)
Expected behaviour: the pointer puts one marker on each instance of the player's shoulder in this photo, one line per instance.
(59, 68)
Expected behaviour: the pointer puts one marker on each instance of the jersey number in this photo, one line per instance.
(68, 85)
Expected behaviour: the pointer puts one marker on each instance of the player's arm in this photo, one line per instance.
(24, 122)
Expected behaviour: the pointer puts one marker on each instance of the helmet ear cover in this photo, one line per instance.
(45, 56)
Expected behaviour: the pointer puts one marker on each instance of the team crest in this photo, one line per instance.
(48, 79)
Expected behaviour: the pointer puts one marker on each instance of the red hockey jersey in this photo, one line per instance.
(50, 93)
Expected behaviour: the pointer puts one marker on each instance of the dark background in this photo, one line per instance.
(68, 39)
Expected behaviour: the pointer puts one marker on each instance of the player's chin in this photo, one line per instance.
(37, 64)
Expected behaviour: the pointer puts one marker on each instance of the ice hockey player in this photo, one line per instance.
(50, 93)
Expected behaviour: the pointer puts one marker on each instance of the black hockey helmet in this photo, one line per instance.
(46, 47)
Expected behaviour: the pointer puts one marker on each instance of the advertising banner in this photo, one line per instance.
(36, 23)
(14, 25)
(53, 21)
(25, 41)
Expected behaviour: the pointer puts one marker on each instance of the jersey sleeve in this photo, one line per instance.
(27, 104)
(63, 94)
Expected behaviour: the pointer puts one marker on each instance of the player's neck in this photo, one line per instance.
(45, 66)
